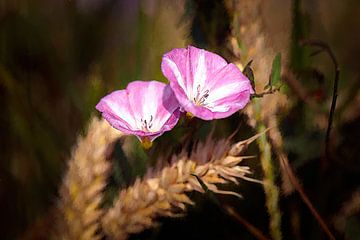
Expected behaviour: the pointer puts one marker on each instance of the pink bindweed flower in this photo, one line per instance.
(146, 109)
(205, 85)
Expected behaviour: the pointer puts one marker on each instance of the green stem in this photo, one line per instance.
(270, 188)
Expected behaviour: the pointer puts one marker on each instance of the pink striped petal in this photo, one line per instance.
(204, 84)
(144, 108)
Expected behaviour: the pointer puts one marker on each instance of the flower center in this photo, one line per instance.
(200, 97)
(146, 125)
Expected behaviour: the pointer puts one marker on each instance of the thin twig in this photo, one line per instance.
(260, 95)
(251, 228)
(295, 182)
(326, 48)
(231, 211)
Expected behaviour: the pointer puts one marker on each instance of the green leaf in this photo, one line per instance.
(275, 76)
(248, 72)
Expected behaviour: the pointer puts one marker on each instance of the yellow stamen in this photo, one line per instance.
(146, 143)
(189, 115)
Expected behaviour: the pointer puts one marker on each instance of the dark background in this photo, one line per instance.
(58, 58)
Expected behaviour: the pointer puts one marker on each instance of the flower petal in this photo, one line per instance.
(145, 109)
(204, 84)
(225, 107)
(200, 111)
(226, 82)
(174, 66)
(143, 99)
(168, 113)
(152, 100)
(116, 109)
(203, 65)
(198, 70)
(188, 68)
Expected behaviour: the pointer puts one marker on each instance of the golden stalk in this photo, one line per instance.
(85, 179)
(164, 194)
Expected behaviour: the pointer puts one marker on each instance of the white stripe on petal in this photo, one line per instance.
(177, 74)
(150, 102)
(200, 74)
(223, 91)
(121, 112)
(219, 108)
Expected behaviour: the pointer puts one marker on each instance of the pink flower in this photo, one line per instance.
(205, 84)
(146, 109)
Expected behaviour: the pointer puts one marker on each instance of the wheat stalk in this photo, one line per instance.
(248, 27)
(164, 193)
(85, 179)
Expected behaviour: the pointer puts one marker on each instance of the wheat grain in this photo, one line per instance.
(81, 190)
(163, 193)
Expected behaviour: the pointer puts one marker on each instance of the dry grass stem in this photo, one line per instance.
(270, 188)
(81, 191)
(296, 183)
(276, 141)
(249, 29)
(251, 228)
(163, 193)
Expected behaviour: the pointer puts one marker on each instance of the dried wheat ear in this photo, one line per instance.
(81, 193)
(163, 193)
